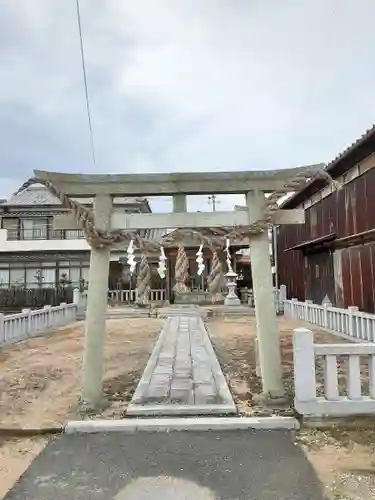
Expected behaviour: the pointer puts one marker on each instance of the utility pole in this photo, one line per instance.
(212, 199)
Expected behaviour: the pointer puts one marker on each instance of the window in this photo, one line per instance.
(49, 277)
(75, 274)
(64, 275)
(17, 277)
(85, 273)
(64, 263)
(34, 278)
(4, 278)
(43, 274)
(33, 229)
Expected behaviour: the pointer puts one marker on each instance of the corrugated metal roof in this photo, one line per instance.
(332, 164)
(40, 195)
(369, 132)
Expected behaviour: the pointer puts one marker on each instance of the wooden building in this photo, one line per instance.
(332, 255)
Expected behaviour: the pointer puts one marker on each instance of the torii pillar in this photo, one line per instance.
(265, 312)
(97, 298)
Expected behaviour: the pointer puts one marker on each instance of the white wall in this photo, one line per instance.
(40, 245)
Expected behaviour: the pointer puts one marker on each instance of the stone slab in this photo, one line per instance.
(183, 375)
(232, 311)
(181, 424)
(181, 310)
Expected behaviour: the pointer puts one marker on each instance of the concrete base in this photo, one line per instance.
(232, 301)
(193, 297)
(124, 312)
(236, 311)
(132, 425)
(181, 310)
(180, 410)
(87, 408)
(266, 399)
(130, 312)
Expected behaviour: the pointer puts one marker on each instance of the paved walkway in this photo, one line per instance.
(230, 465)
(183, 375)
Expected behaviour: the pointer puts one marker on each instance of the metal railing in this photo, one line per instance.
(42, 233)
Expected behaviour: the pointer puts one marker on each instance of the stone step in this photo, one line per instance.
(233, 311)
(181, 310)
(124, 313)
(129, 314)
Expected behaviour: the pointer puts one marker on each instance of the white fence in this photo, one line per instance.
(314, 397)
(360, 326)
(123, 295)
(16, 327)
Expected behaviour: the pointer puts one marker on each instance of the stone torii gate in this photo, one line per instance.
(254, 184)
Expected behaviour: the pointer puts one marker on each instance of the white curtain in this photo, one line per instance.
(32, 280)
(49, 278)
(40, 229)
(4, 278)
(17, 277)
(27, 226)
(75, 274)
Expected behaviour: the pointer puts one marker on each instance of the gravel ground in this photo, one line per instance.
(234, 342)
(343, 460)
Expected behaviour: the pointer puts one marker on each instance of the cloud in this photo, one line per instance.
(183, 85)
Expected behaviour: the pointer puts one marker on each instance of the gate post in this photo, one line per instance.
(267, 329)
(97, 297)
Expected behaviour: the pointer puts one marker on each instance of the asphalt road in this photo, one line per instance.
(230, 465)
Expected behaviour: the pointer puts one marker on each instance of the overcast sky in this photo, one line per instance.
(183, 85)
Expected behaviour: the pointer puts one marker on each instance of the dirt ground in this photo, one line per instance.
(39, 387)
(343, 460)
(234, 341)
(40, 379)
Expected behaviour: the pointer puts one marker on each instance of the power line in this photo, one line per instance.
(85, 82)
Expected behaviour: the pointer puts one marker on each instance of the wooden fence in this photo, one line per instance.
(15, 299)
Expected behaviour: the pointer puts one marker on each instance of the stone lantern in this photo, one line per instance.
(231, 299)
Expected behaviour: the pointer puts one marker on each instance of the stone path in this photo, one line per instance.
(183, 375)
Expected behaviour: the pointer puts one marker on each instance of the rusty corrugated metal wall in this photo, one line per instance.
(357, 277)
(346, 213)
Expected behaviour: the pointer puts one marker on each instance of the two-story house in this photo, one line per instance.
(33, 254)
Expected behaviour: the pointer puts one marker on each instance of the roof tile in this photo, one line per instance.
(40, 195)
